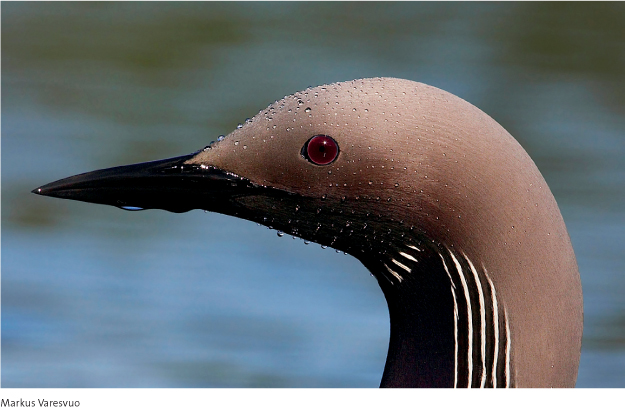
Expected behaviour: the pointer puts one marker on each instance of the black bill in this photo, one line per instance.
(168, 184)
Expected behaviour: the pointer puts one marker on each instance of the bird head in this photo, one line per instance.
(350, 165)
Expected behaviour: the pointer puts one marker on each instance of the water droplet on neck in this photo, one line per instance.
(280, 234)
(220, 138)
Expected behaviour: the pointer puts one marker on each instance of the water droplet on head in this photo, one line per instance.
(307, 110)
(239, 126)
(280, 234)
(220, 138)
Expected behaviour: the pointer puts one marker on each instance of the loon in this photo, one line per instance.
(437, 200)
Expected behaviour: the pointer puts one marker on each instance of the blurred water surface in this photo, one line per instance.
(97, 297)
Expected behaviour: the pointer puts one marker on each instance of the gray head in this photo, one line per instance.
(434, 197)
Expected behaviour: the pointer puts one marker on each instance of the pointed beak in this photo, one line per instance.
(168, 184)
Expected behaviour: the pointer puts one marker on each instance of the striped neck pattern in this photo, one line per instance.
(448, 328)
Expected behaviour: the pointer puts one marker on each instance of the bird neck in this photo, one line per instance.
(447, 327)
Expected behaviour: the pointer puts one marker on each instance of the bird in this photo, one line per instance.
(434, 197)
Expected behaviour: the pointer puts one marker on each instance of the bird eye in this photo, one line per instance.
(321, 150)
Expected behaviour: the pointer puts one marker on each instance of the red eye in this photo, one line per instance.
(322, 150)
